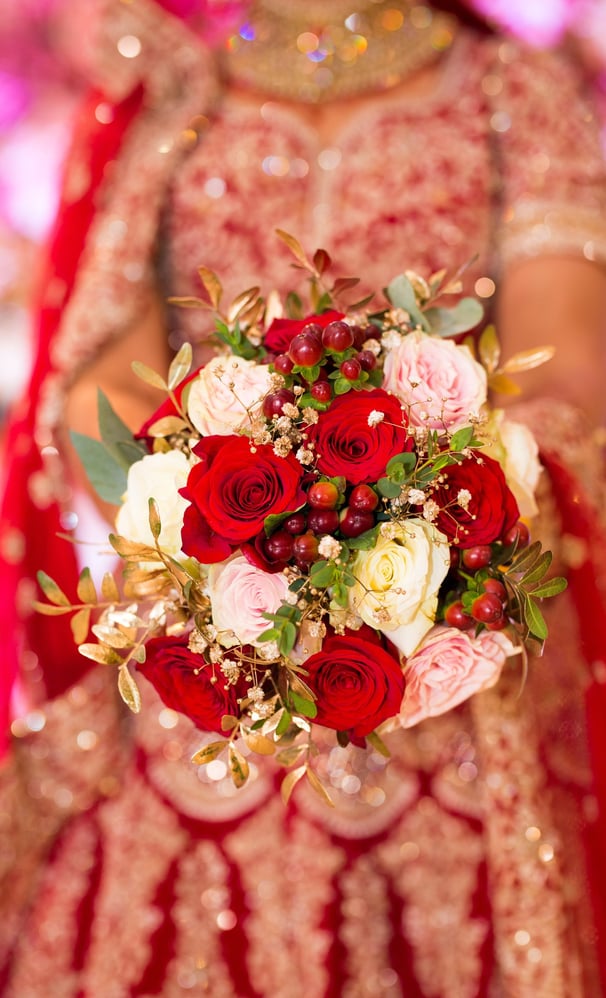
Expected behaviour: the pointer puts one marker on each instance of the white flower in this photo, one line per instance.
(397, 582)
(240, 593)
(521, 464)
(225, 393)
(440, 381)
(329, 547)
(375, 417)
(155, 476)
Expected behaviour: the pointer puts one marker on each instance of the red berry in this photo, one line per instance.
(321, 391)
(280, 546)
(337, 336)
(354, 522)
(323, 521)
(363, 498)
(498, 625)
(295, 523)
(487, 608)
(519, 533)
(313, 329)
(477, 557)
(306, 349)
(495, 586)
(283, 364)
(367, 360)
(455, 616)
(306, 548)
(351, 369)
(360, 336)
(274, 403)
(323, 495)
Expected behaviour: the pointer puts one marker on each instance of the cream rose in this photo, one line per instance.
(521, 464)
(156, 476)
(448, 667)
(240, 594)
(440, 381)
(226, 391)
(397, 582)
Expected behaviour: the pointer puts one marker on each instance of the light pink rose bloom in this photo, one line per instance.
(240, 594)
(226, 393)
(448, 667)
(440, 381)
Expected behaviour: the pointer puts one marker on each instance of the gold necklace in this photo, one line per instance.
(324, 50)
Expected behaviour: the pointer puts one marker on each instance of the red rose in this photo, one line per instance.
(345, 443)
(168, 406)
(232, 490)
(491, 511)
(358, 685)
(183, 682)
(280, 333)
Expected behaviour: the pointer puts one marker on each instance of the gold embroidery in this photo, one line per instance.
(366, 933)
(287, 873)
(433, 859)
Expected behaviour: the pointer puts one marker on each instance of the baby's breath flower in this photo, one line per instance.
(416, 497)
(305, 456)
(389, 530)
(373, 345)
(268, 650)
(282, 447)
(197, 642)
(430, 510)
(375, 417)
(464, 498)
(311, 416)
(329, 547)
(290, 410)
(299, 390)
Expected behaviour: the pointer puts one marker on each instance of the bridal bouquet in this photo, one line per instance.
(324, 525)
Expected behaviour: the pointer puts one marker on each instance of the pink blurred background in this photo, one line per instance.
(39, 92)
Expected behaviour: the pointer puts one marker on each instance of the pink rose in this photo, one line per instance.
(240, 593)
(227, 394)
(440, 381)
(447, 668)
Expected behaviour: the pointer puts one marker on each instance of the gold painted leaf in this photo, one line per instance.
(132, 549)
(112, 636)
(86, 587)
(212, 284)
(80, 624)
(139, 654)
(100, 653)
(238, 767)
(129, 691)
(290, 781)
(109, 588)
(319, 788)
(51, 590)
(526, 360)
(166, 426)
(288, 756)
(155, 523)
(180, 365)
(321, 260)
(208, 752)
(228, 722)
(378, 744)
(187, 301)
(489, 348)
(148, 375)
(242, 302)
(295, 248)
(49, 610)
(503, 385)
(259, 744)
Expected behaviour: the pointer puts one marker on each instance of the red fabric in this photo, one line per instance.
(95, 145)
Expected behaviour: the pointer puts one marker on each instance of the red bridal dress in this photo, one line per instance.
(472, 864)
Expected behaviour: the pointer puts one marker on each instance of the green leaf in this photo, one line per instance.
(401, 294)
(285, 723)
(287, 638)
(274, 520)
(303, 706)
(365, 541)
(526, 559)
(155, 524)
(461, 438)
(550, 588)
(388, 489)
(378, 744)
(465, 315)
(407, 461)
(342, 386)
(104, 472)
(322, 574)
(116, 435)
(538, 571)
(534, 619)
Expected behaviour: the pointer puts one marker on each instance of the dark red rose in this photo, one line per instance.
(168, 407)
(280, 333)
(345, 443)
(183, 682)
(358, 684)
(492, 509)
(232, 490)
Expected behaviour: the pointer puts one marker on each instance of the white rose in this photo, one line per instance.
(441, 382)
(156, 476)
(397, 583)
(521, 464)
(225, 392)
(240, 594)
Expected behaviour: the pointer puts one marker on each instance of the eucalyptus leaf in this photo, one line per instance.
(116, 435)
(104, 472)
(465, 315)
(401, 294)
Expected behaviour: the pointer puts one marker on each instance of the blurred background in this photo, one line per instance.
(40, 87)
